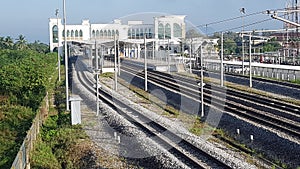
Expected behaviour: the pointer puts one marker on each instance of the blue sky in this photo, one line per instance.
(30, 17)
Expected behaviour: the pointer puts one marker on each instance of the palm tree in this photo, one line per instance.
(21, 42)
(8, 42)
(1, 42)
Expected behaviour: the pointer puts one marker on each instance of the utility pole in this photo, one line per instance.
(97, 78)
(116, 73)
(169, 56)
(58, 54)
(145, 60)
(243, 47)
(250, 60)
(222, 56)
(66, 57)
(297, 29)
(202, 84)
(118, 55)
(191, 55)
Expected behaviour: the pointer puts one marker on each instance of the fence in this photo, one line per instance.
(22, 159)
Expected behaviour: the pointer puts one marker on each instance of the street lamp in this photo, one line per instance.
(66, 56)
(58, 55)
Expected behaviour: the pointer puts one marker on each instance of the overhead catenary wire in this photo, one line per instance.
(250, 24)
(238, 17)
(245, 26)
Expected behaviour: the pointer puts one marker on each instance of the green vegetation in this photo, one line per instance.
(21, 44)
(26, 73)
(24, 76)
(296, 81)
(233, 43)
(14, 122)
(57, 142)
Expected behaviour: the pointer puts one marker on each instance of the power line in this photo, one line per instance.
(234, 18)
(247, 25)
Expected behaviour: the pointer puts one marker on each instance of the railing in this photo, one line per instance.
(22, 159)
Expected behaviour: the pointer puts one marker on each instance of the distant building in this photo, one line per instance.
(163, 29)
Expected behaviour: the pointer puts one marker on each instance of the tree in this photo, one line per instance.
(2, 43)
(8, 42)
(39, 47)
(21, 42)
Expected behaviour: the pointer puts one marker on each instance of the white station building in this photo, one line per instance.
(162, 31)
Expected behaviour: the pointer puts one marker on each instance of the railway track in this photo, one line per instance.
(188, 153)
(269, 112)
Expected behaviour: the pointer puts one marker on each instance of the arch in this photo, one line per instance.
(109, 34)
(72, 33)
(55, 34)
(105, 34)
(113, 33)
(133, 33)
(137, 33)
(93, 34)
(97, 34)
(76, 34)
(161, 31)
(101, 33)
(129, 34)
(80, 33)
(177, 32)
(141, 33)
(150, 33)
(146, 32)
(68, 33)
(168, 31)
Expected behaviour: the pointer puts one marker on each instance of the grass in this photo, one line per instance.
(54, 148)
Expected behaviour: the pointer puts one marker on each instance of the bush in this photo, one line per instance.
(42, 157)
(14, 122)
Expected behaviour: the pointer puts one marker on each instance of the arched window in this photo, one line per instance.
(93, 34)
(80, 33)
(137, 33)
(141, 33)
(168, 31)
(97, 34)
(133, 33)
(55, 34)
(150, 33)
(105, 34)
(160, 31)
(68, 33)
(63, 33)
(101, 33)
(76, 33)
(117, 32)
(177, 32)
(129, 34)
(109, 34)
(146, 32)
(113, 33)
(72, 33)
